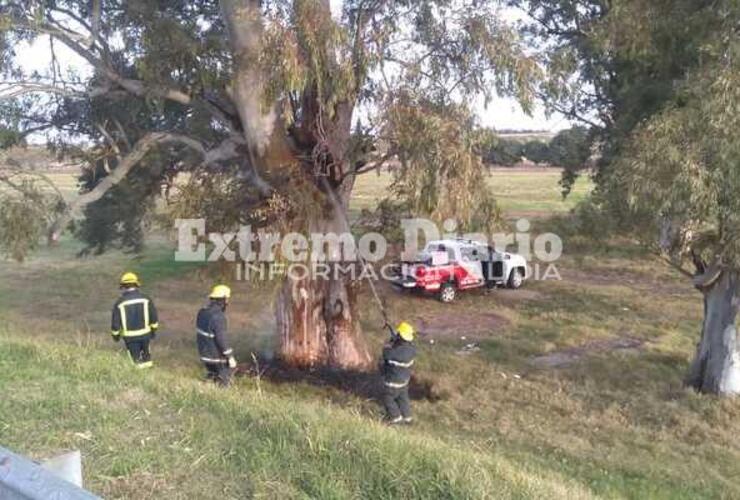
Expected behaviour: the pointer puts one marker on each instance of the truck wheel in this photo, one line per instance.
(447, 293)
(516, 278)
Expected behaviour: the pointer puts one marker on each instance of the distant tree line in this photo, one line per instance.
(569, 149)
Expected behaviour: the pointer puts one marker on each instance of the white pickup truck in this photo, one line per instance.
(445, 267)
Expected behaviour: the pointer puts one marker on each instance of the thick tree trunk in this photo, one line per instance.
(716, 367)
(317, 318)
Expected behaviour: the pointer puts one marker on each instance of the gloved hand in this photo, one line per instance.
(116, 338)
(232, 362)
(154, 334)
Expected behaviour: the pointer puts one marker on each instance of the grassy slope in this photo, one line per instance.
(613, 423)
(157, 435)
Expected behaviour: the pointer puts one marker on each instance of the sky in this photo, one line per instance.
(500, 113)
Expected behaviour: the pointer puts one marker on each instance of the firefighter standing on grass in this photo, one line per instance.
(395, 366)
(211, 329)
(135, 319)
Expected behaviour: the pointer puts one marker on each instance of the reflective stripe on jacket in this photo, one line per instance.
(134, 315)
(398, 358)
(211, 328)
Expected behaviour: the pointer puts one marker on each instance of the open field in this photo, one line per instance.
(519, 193)
(573, 390)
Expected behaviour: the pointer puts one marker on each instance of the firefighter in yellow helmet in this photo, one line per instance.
(395, 366)
(211, 328)
(134, 319)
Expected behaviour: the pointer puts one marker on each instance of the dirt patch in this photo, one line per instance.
(621, 277)
(454, 325)
(566, 357)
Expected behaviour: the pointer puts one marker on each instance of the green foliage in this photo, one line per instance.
(8, 137)
(570, 149)
(168, 68)
(669, 171)
(25, 210)
(683, 166)
(121, 217)
(223, 200)
(440, 174)
(305, 49)
(536, 151)
(504, 152)
(10, 123)
(616, 62)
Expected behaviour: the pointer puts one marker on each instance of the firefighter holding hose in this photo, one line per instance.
(395, 366)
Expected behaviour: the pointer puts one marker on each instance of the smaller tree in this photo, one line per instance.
(537, 151)
(682, 176)
(500, 151)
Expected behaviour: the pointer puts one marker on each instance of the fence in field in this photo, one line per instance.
(22, 479)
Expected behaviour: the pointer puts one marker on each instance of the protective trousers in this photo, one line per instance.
(397, 404)
(138, 349)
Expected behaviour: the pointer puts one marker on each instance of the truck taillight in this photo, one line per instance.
(420, 271)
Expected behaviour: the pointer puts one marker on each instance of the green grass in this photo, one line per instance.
(612, 424)
(157, 435)
(519, 193)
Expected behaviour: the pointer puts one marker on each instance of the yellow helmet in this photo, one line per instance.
(220, 292)
(130, 279)
(405, 331)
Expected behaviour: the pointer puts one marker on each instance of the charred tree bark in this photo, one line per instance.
(716, 366)
(317, 321)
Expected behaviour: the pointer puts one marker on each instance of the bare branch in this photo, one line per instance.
(96, 12)
(110, 140)
(123, 133)
(225, 151)
(569, 112)
(675, 265)
(80, 44)
(11, 90)
(127, 163)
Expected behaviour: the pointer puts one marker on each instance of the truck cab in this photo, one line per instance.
(446, 267)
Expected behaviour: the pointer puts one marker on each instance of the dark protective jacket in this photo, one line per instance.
(398, 358)
(134, 315)
(211, 327)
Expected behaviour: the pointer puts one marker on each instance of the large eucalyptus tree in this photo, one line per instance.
(256, 100)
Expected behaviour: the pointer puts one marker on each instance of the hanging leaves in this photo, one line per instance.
(440, 175)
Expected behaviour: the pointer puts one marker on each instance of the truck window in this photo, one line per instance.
(469, 254)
